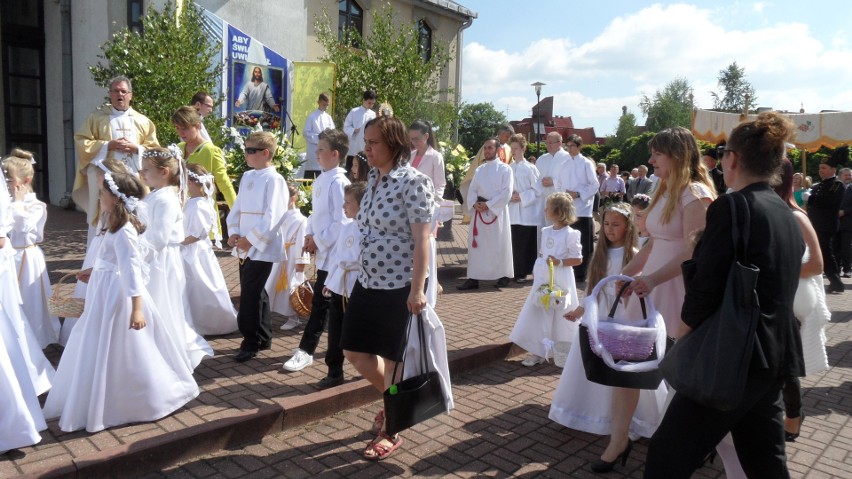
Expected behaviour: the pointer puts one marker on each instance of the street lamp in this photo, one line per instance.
(537, 85)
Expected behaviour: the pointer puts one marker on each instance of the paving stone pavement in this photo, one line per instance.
(499, 428)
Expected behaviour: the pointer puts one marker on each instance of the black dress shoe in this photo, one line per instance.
(835, 288)
(468, 284)
(605, 466)
(243, 356)
(330, 382)
(522, 280)
(265, 345)
(503, 282)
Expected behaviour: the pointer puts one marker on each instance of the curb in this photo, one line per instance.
(162, 451)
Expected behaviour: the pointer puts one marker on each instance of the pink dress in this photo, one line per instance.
(668, 296)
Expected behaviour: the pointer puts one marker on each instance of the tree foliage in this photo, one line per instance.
(168, 63)
(478, 122)
(635, 152)
(388, 60)
(669, 107)
(625, 130)
(736, 92)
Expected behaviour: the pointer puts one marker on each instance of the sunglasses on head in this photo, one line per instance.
(251, 151)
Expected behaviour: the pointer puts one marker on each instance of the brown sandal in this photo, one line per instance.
(376, 450)
(378, 422)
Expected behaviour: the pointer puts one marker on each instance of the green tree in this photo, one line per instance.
(167, 64)
(635, 151)
(388, 59)
(736, 93)
(669, 107)
(478, 122)
(626, 129)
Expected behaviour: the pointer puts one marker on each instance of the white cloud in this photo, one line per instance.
(641, 52)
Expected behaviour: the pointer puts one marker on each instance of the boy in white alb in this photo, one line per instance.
(323, 229)
(343, 272)
(254, 224)
(288, 274)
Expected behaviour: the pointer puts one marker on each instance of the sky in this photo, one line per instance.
(597, 56)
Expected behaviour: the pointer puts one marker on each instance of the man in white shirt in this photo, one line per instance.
(353, 126)
(318, 121)
(489, 245)
(550, 163)
(577, 178)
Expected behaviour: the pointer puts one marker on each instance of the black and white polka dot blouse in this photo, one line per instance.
(402, 197)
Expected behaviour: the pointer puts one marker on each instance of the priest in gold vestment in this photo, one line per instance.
(114, 131)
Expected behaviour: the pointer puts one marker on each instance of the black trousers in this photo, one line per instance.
(829, 260)
(253, 318)
(842, 243)
(319, 316)
(689, 431)
(586, 227)
(524, 249)
(334, 356)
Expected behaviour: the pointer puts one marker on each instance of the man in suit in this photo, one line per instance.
(824, 213)
(639, 185)
(710, 159)
(843, 238)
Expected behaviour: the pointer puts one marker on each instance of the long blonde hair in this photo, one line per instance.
(600, 258)
(685, 168)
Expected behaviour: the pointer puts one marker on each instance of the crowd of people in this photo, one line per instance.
(153, 288)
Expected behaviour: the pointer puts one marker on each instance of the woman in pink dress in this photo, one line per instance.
(676, 211)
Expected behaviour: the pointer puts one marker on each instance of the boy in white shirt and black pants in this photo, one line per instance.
(323, 228)
(254, 224)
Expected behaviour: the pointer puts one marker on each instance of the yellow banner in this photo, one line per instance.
(309, 80)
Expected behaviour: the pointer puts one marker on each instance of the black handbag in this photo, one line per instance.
(710, 365)
(597, 371)
(417, 398)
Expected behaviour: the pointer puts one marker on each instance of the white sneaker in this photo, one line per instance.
(292, 323)
(300, 360)
(532, 360)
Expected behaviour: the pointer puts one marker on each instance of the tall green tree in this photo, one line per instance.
(167, 64)
(389, 59)
(736, 92)
(626, 129)
(477, 122)
(669, 107)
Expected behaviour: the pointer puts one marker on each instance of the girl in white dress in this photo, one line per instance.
(122, 363)
(540, 326)
(161, 244)
(29, 215)
(207, 296)
(288, 274)
(22, 418)
(579, 403)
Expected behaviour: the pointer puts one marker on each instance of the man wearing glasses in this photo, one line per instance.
(204, 105)
(115, 131)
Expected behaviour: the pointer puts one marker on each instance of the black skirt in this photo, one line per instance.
(376, 321)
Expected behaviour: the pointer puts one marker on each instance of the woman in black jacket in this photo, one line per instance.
(689, 430)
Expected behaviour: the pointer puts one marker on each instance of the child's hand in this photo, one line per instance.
(553, 259)
(326, 293)
(137, 320)
(2, 242)
(244, 244)
(84, 275)
(574, 315)
(310, 245)
(232, 240)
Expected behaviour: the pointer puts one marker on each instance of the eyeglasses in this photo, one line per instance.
(251, 151)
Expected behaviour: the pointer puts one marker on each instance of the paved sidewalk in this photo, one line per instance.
(499, 428)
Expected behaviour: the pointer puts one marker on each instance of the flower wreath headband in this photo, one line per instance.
(131, 202)
(174, 152)
(206, 182)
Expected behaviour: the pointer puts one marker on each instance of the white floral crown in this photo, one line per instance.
(206, 182)
(131, 202)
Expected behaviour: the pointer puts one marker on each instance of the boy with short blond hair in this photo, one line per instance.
(323, 229)
(254, 224)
